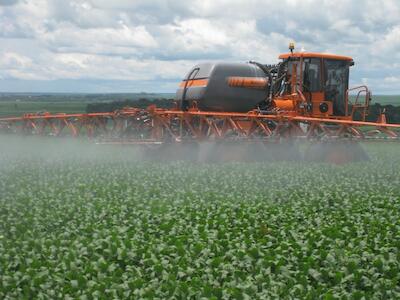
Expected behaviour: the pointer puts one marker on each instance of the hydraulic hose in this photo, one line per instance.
(268, 75)
(184, 102)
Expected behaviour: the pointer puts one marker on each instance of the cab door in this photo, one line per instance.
(312, 80)
(336, 84)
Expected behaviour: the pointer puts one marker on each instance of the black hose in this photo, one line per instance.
(268, 75)
(184, 102)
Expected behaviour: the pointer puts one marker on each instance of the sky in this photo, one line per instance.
(111, 46)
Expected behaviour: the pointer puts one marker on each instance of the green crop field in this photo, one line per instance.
(82, 222)
(13, 108)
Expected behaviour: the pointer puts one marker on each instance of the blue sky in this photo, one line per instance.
(134, 45)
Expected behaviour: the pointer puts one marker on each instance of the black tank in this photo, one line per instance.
(231, 87)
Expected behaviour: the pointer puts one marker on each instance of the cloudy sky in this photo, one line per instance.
(149, 45)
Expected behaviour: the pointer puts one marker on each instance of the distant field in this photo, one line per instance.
(13, 108)
(386, 99)
(62, 97)
(12, 104)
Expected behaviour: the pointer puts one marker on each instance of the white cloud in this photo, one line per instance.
(388, 44)
(159, 40)
(10, 60)
(113, 41)
(8, 2)
(392, 79)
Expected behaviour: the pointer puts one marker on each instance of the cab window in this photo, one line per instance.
(337, 77)
(312, 75)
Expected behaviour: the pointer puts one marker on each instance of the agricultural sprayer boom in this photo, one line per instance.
(162, 125)
(303, 97)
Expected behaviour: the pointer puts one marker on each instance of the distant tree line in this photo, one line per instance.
(392, 112)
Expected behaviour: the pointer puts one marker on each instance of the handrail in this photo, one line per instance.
(356, 105)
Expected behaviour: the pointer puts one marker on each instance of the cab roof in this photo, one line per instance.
(315, 54)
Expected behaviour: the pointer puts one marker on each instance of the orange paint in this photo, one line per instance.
(248, 82)
(313, 54)
(194, 83)
(287, 105)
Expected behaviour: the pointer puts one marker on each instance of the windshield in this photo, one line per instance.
(336, 84)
